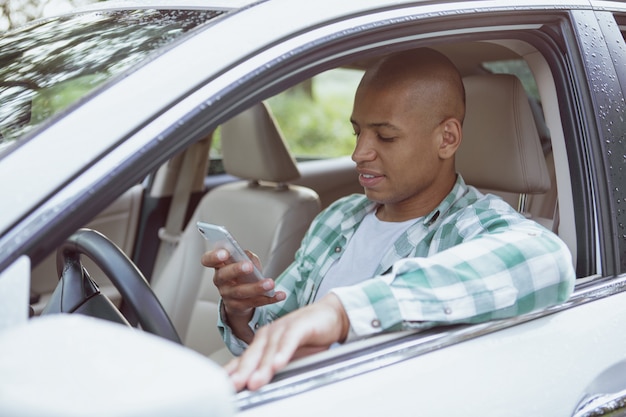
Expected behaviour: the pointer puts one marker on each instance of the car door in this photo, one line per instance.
(539, 364)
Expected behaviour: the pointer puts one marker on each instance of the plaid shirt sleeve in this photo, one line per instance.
(510, 267)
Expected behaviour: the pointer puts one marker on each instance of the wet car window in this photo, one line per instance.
(45, 67)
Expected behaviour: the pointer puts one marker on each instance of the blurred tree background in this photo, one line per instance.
(14, 13)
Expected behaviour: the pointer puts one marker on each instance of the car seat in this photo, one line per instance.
(265, 213)
(501, 150)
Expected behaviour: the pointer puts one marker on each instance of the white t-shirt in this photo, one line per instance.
(363, 253)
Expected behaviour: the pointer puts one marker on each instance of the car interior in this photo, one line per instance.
(513, 146)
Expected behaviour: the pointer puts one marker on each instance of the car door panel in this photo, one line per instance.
(540, 367)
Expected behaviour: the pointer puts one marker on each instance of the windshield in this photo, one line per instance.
(47, 66)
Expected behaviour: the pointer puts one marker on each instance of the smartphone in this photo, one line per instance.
(220, 238)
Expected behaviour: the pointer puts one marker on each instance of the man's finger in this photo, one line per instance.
(243, 367)
(215, 258)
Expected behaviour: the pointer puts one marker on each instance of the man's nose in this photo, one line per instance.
(364, 150)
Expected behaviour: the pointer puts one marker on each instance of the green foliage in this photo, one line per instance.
(318, 124)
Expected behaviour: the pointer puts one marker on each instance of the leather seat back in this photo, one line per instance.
(263, 212)
(501, 150)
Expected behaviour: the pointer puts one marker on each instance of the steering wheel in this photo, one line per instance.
(77, 292)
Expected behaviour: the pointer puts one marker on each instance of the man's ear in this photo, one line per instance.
(452, 135)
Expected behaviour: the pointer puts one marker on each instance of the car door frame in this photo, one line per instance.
(591, 157)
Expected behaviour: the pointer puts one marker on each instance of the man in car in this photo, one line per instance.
(420, 248)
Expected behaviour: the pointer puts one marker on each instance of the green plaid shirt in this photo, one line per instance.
(472, 259)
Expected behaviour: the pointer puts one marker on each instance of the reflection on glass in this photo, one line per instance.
(47, 66)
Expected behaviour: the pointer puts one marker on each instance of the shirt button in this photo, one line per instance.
(337, 249)
(256, 326)
(376, 323)
(447, 310)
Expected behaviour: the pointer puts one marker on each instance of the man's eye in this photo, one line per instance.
(386, 138)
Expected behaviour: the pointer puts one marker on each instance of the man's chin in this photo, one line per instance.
(374, 196)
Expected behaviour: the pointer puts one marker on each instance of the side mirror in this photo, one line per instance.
(74, 365)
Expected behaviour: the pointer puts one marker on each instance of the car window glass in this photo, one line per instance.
(314, 116)
(73, 56)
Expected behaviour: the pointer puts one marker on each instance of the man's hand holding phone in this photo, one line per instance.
(237, 278)
(220, 238)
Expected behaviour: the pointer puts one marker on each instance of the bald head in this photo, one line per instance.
(426, 77)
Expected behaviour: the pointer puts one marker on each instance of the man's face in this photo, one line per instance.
(397, 146)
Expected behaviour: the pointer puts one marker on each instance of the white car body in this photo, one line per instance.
(567, 360)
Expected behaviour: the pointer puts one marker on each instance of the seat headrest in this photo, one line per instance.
(253, 147)
(501, 150)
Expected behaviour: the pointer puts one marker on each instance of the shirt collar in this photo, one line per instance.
(441, 211)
